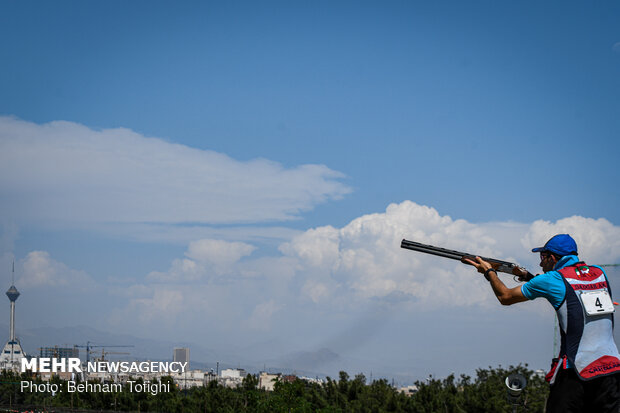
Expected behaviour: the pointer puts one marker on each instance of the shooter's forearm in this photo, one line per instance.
(505, 295)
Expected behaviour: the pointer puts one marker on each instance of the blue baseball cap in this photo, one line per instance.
(561, 244)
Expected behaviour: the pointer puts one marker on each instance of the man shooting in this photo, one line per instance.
(586, 375)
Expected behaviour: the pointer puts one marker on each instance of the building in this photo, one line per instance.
(194, 378)
(408, 390)
(267, 381)
(181, 355)
(12, 353)
(59, 352)
(233, 374)
(232, 377)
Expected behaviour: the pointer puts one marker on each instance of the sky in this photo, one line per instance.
(238, 175)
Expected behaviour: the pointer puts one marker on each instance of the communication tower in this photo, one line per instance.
(11, 356)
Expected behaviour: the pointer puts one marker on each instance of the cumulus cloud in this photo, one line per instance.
(315, 247)
(338, 274)
(598, 240)
(345, 268)
(204, 258)
(40, 270)
(182, 269)
(363, 259)
(64, 171)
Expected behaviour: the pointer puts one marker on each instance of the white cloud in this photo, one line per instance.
(40, 270)
(182, 269)
(315, 247)
(340, 268)
(598, 240)
(67, 172)
(346, 268)
(205, 257)
(338, 273)
(219, 253)
(363, 260)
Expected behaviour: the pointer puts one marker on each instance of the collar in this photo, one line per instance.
(566, 261)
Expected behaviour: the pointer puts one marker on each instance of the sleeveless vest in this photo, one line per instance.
(587, 340)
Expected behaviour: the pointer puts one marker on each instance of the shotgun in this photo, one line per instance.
(499, 265)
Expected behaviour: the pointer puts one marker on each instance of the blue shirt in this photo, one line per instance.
(549, 285)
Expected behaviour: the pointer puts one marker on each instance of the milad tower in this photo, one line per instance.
(11, 356)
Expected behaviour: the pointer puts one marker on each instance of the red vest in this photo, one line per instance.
(587, 339)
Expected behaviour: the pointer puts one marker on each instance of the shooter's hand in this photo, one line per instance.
(481, 265)
(522, 274)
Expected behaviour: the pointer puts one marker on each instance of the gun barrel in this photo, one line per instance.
(430, 249)
(503, 266)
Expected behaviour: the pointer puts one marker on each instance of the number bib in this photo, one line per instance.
(597, 302)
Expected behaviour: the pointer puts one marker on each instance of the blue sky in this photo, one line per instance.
(133, 132)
